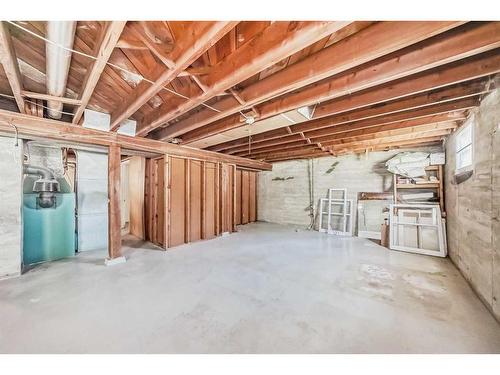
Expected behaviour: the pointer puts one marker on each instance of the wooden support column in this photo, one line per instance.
(166, 244)
(114, 218)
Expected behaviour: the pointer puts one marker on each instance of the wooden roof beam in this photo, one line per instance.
(274, 43)
(404, 144)
(36, 95)
(447, 109)
(346, 138)
(196, 40)
(109, 40)
(466, 41)
(420, 101)
(30, 127)
(368, 44)
(10, 66)
(288, 147)
(390, 139)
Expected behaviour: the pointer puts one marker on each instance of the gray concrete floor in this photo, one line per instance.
(266, 289)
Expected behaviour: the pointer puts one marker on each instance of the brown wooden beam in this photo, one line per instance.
(36, 95)
(468, 40)
(274, 43)
(9, 61)
(292, 153)
(30, 127)
(454, 106)
(372, 116)
(390, 139)
(271, 142)
(389, 131)
(417, 102)
(196, 40)
(304, 145)
(399, 128)
(415, 124)
(412, 143)
(114, 202)
(375, 41)
(479, 66)
(394, 141)
(109, 40)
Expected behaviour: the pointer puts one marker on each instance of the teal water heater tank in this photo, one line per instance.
(49, 233)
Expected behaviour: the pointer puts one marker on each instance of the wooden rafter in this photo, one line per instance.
(478, 66)
(413, 139)
(109, 40)
(366, 45)
(390, 139)
(386, 146)
(197, 39)
(468, 40)
(274, 43)
(9, 61)
(417, 106)
(364, 134)
(36, 95)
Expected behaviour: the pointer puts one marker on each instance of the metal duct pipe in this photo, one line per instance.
(58, 61)
(46, 185)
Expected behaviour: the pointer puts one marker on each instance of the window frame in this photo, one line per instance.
(469, 124)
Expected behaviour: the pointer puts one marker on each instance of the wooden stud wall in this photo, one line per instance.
(246, 196)
(201, 199)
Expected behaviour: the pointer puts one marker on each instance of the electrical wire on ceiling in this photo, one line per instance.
(37, 104)
(140, 76)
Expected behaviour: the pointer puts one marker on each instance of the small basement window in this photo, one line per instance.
(464, 149)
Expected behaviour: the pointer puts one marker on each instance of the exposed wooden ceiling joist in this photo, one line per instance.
(432, 99)
(459, 43)
(411, 138)
(399, 128)
(373, 42)
(109, 40)
(274, 43)
(9, 61)
(197, 39)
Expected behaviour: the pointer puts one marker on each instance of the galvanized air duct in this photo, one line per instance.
(46, 185)
(58, 61)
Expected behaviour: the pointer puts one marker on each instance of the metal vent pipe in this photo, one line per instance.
(58, 61)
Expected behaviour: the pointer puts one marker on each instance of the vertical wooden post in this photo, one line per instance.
(187, 202)
(218, 218)
(114, 218)
(203, 199)
(167, 203)
(233, 189)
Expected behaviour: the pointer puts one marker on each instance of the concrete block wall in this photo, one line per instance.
(11, 159)
(473, 206)
(286, 202)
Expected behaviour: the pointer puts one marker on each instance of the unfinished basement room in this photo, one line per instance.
(249, 186)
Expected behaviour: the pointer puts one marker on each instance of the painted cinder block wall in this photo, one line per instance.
(11, 159)
(473, 206)
(285, 202)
